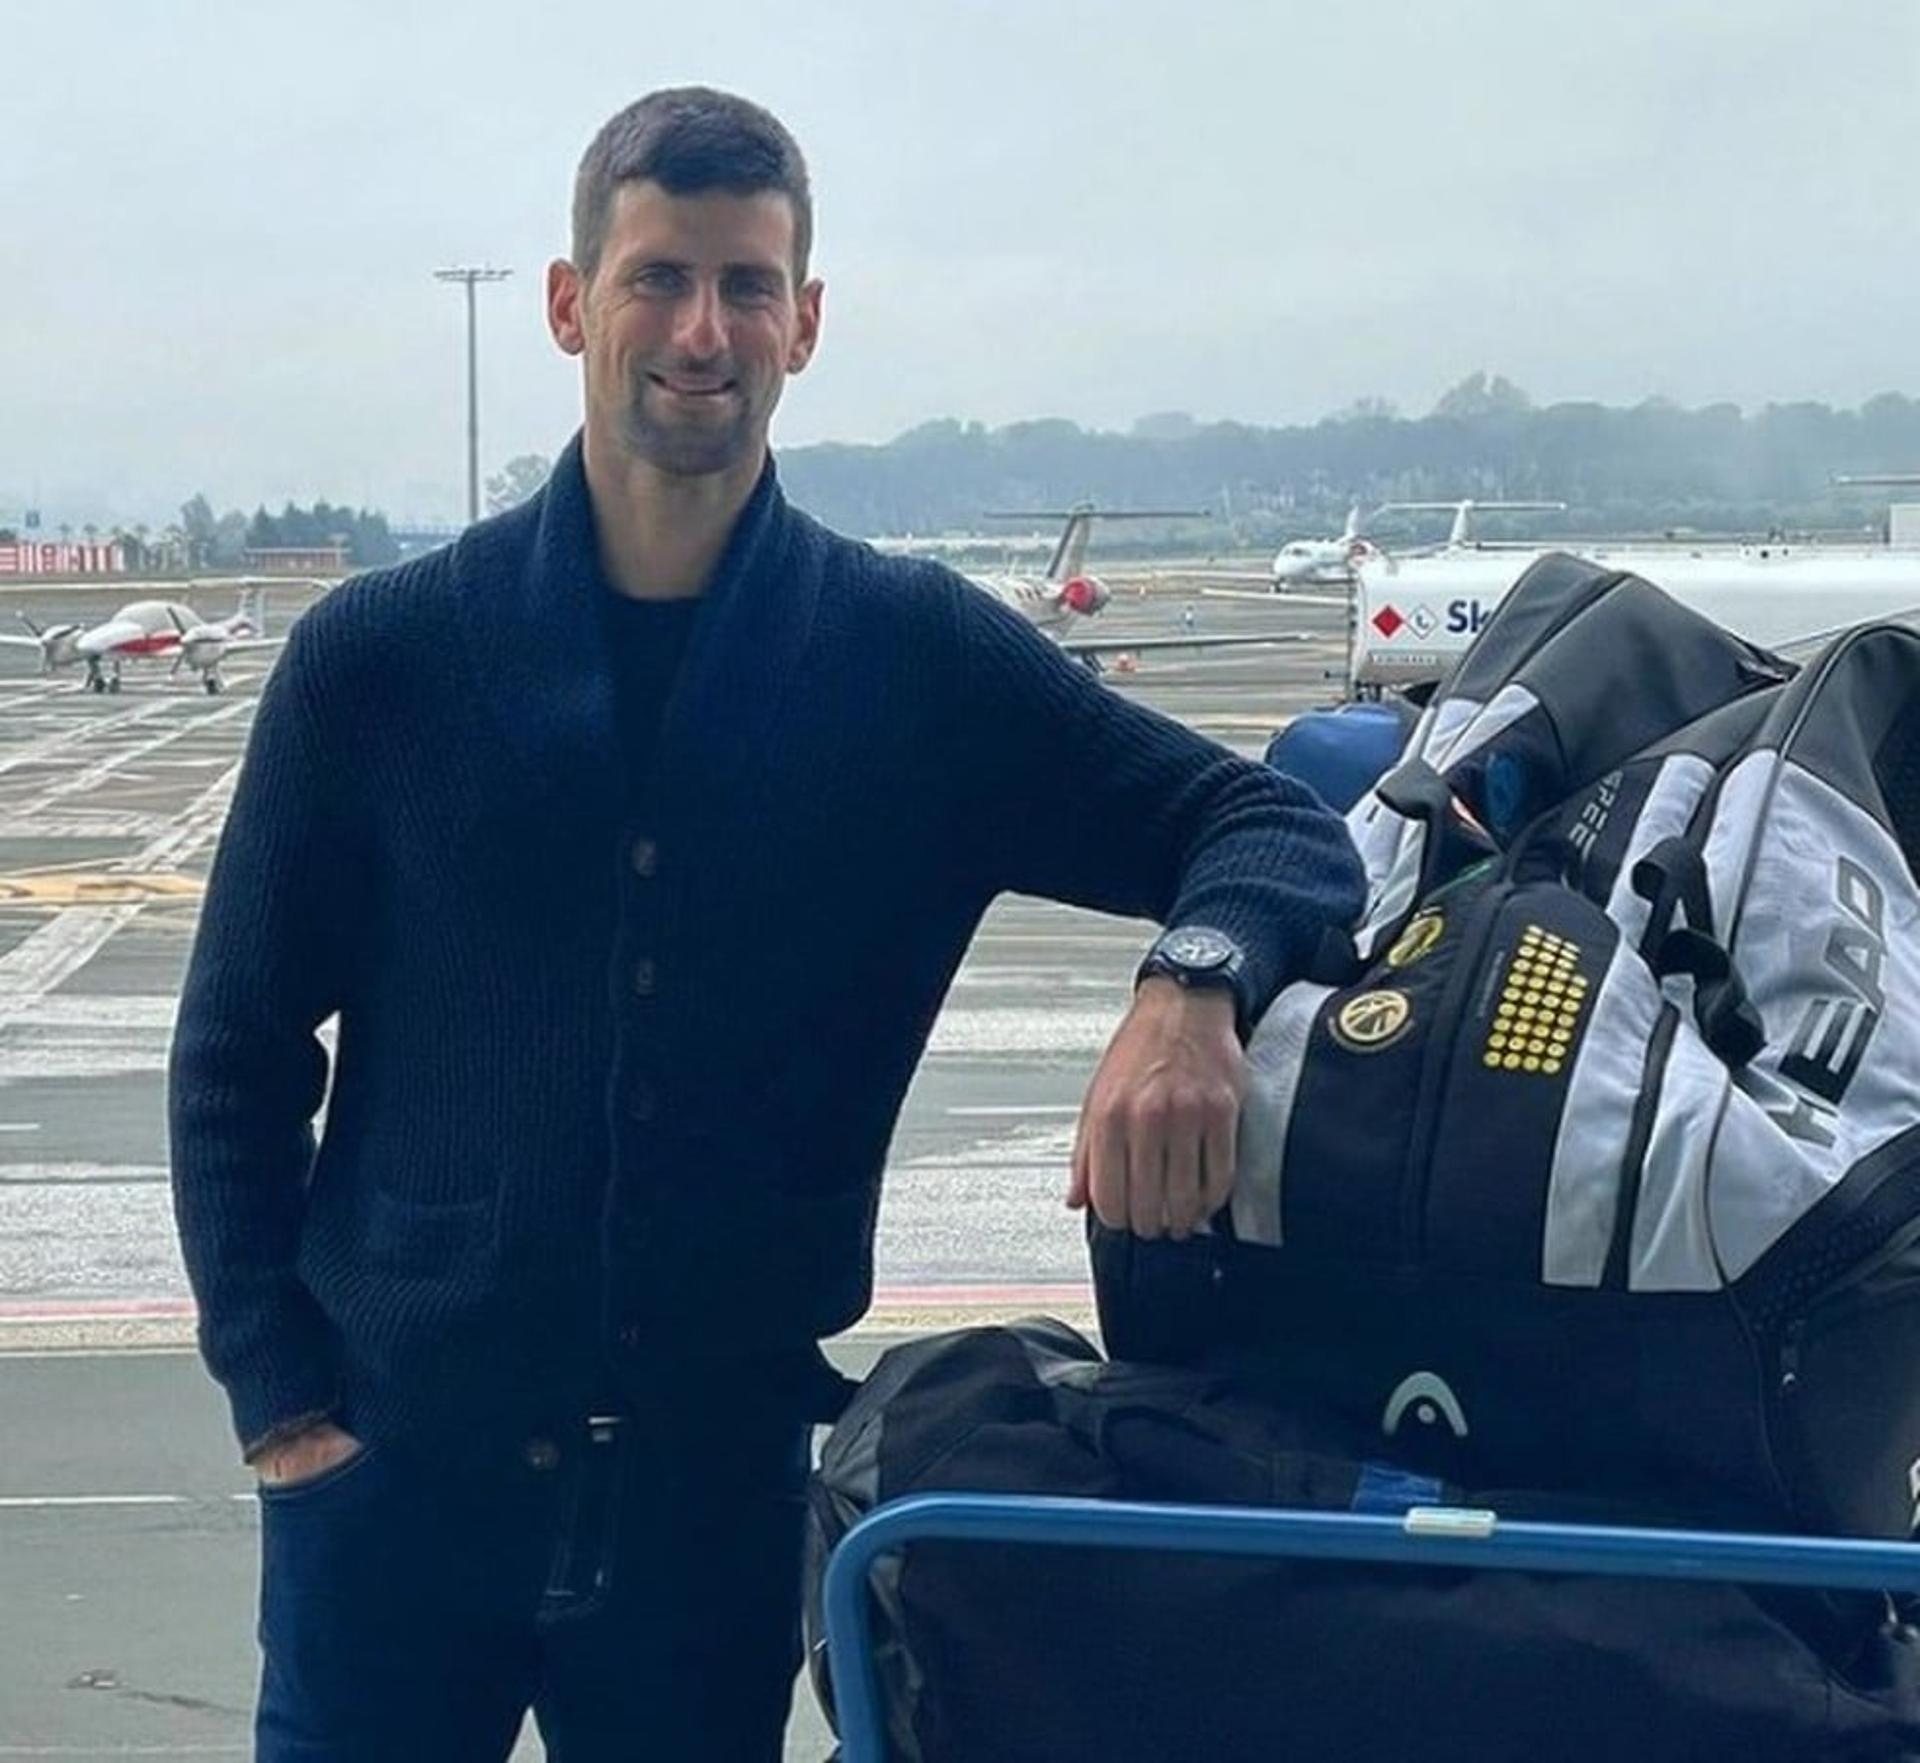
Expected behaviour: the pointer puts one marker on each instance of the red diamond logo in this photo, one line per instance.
(1387, 621)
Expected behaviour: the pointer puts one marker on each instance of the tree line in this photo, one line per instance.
(1650, 467)
(222, 542)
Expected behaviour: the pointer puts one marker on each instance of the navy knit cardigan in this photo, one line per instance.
(620, 1081)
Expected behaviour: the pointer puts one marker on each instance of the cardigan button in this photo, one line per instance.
(644, 855)
(541, 1454)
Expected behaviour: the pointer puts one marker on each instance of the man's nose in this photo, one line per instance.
(698, 330)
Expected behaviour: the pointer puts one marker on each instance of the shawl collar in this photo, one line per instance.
(546, 673)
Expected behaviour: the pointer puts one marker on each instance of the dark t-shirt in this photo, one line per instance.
(646, 640)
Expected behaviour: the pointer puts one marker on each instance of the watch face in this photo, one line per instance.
(1196, 946)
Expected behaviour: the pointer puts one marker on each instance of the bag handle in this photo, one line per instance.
(1454, 839)
(1672, 878)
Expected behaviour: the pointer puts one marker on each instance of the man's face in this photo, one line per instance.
(688, 327)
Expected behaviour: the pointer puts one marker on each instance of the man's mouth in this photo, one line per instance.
(683, 387)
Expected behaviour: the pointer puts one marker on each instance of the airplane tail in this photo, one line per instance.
(1070, 554)
(252, 610)
(1460, 536)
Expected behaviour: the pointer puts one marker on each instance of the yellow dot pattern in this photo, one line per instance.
(1539, 1008)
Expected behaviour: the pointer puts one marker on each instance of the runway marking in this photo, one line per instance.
(86, 823)
(1038, 1147)
(27, 1502)
(18, 1310)
(978, 1297)
(1047, 1030)
(986, 1111)
(65, 944)
(32, 888)
(79, 783)
(19, 1126)
(125, 1010)
(72, 735)
(990, 978)
(200, 1750)
(48, 1174)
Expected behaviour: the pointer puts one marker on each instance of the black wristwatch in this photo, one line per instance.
(1199, 956)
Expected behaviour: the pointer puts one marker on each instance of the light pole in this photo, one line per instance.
(469, 277)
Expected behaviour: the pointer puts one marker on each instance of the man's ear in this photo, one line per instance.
(806, 336)
(566, 292)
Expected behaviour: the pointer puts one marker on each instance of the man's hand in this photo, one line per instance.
(305, 1455)
(1154, 1154)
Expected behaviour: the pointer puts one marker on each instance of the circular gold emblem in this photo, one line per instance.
(1418, 939)
(1372, 1021)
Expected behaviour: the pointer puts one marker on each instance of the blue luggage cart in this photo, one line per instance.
(1425, 1536)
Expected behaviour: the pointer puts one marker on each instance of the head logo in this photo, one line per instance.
(1372, 1021)
(1422, 933)
(1388, 622)
(1429, 1400)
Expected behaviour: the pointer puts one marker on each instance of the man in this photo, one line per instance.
(634, 840)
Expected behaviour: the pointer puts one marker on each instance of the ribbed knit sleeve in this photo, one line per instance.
(270, 963)
(1085, 796)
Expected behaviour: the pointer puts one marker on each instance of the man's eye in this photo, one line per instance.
(751, 290)
(659, 278)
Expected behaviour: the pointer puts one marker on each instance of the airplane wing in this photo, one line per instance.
(1277, 597)
(1080, 646)
(248, 645)
(14, 642)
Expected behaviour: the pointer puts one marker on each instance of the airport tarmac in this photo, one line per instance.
(126, 1534)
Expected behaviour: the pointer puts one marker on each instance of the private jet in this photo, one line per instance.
(1061, 601)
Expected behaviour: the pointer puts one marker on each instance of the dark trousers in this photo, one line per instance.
(639, 1593)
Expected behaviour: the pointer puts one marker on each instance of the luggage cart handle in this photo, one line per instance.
(1425, 1537)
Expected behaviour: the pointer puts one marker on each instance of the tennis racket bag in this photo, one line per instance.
(1602, 1172)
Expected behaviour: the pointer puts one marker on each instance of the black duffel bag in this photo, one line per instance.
(1042, 1655)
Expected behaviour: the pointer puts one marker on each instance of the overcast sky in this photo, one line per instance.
(221, 220)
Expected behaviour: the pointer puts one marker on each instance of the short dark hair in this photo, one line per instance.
(689, 139)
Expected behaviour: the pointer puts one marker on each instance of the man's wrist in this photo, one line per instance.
(1203, 962)
(1163, 991)
(283, 1434)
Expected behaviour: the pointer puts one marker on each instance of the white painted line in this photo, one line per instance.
(79, 783)
(149, 1010)
(85, 823)
(1048, 1030)
(29, 1502)
(132, 1350)
(104, 1751)
(997, 1111)
(45, 1173)
(66, 943)
(48, 745)
(1041, 1149)
(19, 1126)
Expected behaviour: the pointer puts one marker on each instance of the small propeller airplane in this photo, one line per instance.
(150, 630)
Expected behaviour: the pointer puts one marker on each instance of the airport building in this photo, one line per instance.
(60, 557)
